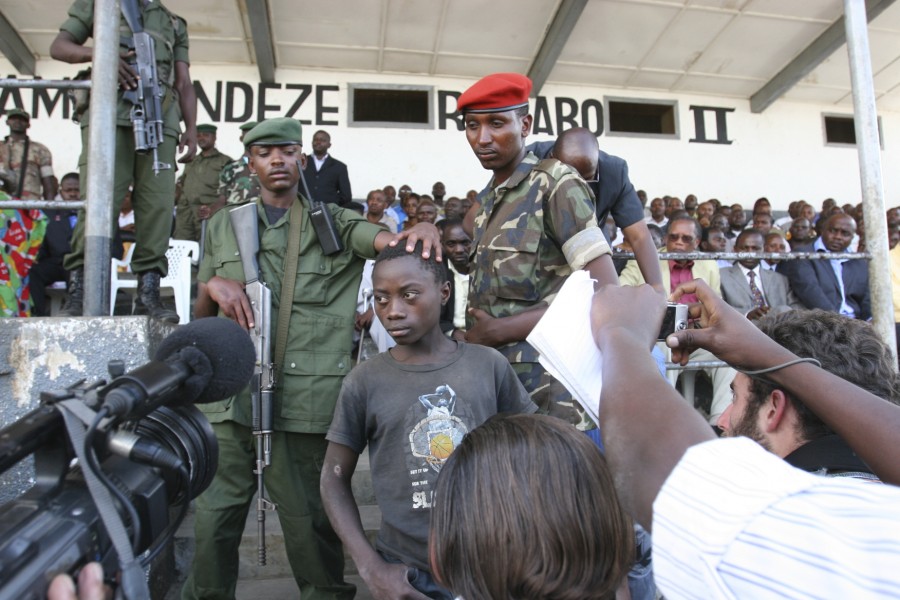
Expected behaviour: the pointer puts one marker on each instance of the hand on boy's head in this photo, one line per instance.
(637, 310)
(722, 330)
(427, 233)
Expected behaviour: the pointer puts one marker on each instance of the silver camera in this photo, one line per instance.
(676, 319)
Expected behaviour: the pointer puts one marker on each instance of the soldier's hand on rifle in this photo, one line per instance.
(127, 76)
(229, 295)
(90, 585)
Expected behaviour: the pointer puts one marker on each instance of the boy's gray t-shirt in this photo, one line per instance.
(412, 417)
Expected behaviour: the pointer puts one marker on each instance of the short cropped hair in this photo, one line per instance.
(430, 264)
(848, 348)
(526, 507)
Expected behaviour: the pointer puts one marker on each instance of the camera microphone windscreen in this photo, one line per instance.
(220, 354)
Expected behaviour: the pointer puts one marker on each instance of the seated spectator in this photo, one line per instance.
(410, 203)
(781, 423)
(673, 204)
(411, 406)
(775, 242)
(705, 211)
(762, 205)
(684, 236)
(713, 240)
(657, 235)
(377, 211)
(48, 266)
(752, 290)
(762, 222)
(657, 213)
(893, 217)
(537, 542)
(801, 233)
(426, 212)
(690, 205)
(453, 208)
(840, 286)
(456, 245)
(793, 212)
(737, 222)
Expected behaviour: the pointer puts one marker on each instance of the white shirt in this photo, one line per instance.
(319, 161)
(663, 223)
(460, 297)
(735, 521)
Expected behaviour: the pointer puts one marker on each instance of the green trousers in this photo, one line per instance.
(153, 199)
(313, 549)
(188, 223)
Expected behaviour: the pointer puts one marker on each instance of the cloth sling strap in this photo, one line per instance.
(288, 280)
(23, 168)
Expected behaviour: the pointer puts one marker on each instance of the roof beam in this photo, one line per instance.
(14, 49)
(810, 58)
(261, 34)
(557, 35)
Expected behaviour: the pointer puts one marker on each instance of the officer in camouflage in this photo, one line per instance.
(237, 184)
(198, 185)
(534, 224)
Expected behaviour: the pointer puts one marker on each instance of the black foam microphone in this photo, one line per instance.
(204, 361)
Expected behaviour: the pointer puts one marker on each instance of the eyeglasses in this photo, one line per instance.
(687, 239)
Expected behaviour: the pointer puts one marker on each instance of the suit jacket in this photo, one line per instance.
(613, 193)
(816, 285)
(702, 269)
(776, 289)
(331, 183)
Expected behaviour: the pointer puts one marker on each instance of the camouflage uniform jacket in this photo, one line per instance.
(40, 165)
(531, 232)
(237, 183)
(200, 181)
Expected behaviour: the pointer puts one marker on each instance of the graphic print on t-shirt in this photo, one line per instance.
(434, 437)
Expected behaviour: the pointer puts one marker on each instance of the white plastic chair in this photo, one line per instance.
(180, 255)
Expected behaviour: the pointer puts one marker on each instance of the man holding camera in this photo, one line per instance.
(316, 359)
(154, 193)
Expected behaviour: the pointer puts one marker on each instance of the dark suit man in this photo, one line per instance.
(772, 293)
(327, 177)
(816, 282)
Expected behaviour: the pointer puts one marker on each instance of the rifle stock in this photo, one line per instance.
(245, 224)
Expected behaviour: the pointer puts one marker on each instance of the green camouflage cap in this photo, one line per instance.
(18, 112)
(207, 128)
(275, 132)
(248, 125)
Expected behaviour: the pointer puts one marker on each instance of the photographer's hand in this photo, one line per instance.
(90, 585)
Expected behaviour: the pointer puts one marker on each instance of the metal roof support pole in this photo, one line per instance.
(865, 118)
(101, 157)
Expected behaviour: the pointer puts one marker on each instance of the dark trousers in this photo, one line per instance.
(39, 277)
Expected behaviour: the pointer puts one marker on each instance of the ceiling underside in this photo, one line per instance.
(730, 48)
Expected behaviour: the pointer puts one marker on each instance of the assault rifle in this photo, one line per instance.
(245, 223)
(146, 99)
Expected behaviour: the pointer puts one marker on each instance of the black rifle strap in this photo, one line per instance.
(23, 168)
(288, 280)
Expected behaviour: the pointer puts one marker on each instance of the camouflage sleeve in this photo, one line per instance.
(571, 221)
(226, 178)
(45, 161)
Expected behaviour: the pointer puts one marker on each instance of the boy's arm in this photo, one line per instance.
(385, 581)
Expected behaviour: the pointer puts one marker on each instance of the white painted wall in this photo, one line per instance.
(780, 154)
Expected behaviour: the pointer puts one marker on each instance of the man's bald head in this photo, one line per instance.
(579, 149)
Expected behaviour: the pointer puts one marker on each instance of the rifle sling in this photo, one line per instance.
(289, 279)
(23, 168)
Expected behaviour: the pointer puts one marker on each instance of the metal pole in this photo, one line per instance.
(101, 157)
(46, 84)
(43, 204)
(865, 118)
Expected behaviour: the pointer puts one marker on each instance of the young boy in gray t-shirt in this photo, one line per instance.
(412, 405)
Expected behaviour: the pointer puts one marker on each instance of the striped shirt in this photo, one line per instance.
(734, 521)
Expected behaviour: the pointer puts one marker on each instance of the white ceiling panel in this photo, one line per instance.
(725, 86)
(412, 24)
(406, 62)
(684, 42)
(501, 27)
(816, 10)
(327, 58)
(590, 75)
(757, 46)
(477, 66)
(815, 93)
(339, 22)
(220, 52)
(654, 80)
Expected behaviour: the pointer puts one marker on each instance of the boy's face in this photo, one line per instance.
(408, 298)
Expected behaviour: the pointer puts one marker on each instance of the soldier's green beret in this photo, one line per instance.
(207, 128)
(275, 132)
(248, 125)
(18, 112)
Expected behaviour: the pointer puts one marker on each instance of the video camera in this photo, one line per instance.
(110, 461)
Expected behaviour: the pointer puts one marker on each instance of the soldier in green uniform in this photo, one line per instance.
(317, 357)
(534, 225)
(198, 186)
(153, 195)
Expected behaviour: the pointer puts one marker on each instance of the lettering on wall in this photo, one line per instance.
(239, 101)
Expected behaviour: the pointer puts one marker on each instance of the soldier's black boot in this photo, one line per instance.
(147, 300)
(73, 306)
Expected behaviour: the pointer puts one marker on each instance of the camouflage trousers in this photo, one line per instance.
(551, 396)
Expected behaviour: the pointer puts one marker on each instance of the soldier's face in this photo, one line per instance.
(17, 124)
(498, 140)
(276, 166)
(206, 140)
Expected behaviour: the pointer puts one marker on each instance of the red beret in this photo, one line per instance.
(495, 93)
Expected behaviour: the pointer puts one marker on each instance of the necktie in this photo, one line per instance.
(755, 293)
